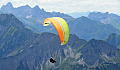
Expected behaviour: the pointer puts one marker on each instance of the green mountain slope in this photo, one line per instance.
(113, 39)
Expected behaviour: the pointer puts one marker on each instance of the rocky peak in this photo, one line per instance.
(27, 6)
(36, 7)
(9, 4)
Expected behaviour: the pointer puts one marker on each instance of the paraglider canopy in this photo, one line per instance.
(61, 27)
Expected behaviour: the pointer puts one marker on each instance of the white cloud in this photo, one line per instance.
(68, 6)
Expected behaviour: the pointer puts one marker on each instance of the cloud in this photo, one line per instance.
(67, 6)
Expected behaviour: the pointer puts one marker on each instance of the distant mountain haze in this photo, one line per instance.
(78, 14)
(106, 18)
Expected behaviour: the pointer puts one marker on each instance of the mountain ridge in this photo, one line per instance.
(32, 11)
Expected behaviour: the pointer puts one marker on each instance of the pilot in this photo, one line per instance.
(46, 23)
(52, 61)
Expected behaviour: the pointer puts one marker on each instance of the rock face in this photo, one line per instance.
(106, 18)
(12, 34)
(95, 50)
(21, 49)
(88, 29)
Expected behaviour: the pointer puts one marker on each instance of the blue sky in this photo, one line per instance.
(69, 6)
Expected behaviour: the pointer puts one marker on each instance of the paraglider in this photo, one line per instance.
(52, 60)
(61, 27)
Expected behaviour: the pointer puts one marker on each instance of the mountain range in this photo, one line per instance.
(106, 18)
(22, 49)
(35, 13)
(84, 27)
